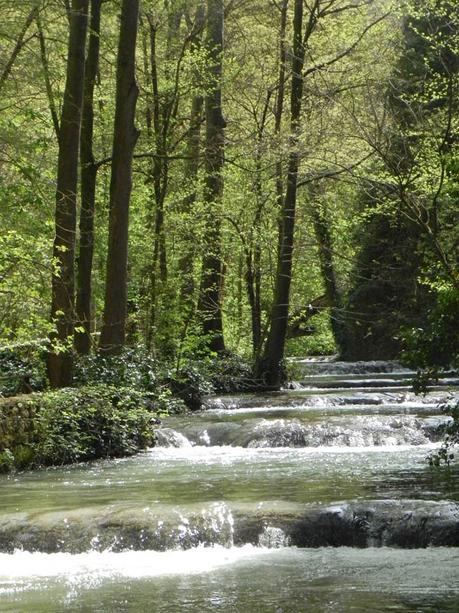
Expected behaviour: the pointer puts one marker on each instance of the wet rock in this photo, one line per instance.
(406, 524)
(391, 523)
(166, 437)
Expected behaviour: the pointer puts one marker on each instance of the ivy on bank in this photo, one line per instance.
(76, 425)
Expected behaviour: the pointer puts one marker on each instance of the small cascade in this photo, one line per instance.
(256, 488)
(273, 538)
(167, 437)
(377, 523)
(309, 367)
(301, 398)
(118, 530)
(371, 523)
(355, 431)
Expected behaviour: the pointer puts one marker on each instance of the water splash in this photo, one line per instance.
(273, 538)
(166, 437)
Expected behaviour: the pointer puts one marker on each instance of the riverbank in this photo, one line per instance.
(76, 425)
(291, 496)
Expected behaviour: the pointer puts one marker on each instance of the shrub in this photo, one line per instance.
(6, 461)
(74, 425)
(191, 383)
(436, 345)
(445, 454)
(223, 374)
(22, 369)
(134, 368)
(230, 373)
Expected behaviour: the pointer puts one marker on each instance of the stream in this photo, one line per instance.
(315, 498)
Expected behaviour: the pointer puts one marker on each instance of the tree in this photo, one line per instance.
(372, 168)
(212, 270)
(124, 139)
(88, 188)
(60, 360)
(269, 368)
(406, 249)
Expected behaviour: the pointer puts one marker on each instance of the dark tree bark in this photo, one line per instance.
(269, 368)
(88, 187)
(212, 269)
(124, 140)
(18, 46)
(60, 359)
(160, 164)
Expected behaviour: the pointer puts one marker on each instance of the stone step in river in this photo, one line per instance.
(311, 499)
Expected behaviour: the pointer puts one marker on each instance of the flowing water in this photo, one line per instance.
(316, 498)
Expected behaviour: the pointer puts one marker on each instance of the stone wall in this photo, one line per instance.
(17, 429)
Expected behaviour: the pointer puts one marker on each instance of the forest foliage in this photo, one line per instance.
(294, 170)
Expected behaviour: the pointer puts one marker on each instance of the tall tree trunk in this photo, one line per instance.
(193, 153)
(212, 270)
(124, 139)
(191, 169)
(164, 111)
(160, 162)
(88, 187)
(269, 368)
(60, 359)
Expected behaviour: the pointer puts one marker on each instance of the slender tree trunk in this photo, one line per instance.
(192, 162)
(212, 270)
(253, 295)
(125, 137)
(45, 64)
(5, 73)
(279, 111)
(193, 155)
(253, 261)
(60, 360)
(269, 368)
(88, 187)
(160, 163)
(162, 114)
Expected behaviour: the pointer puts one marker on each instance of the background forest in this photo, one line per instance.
(294, 168)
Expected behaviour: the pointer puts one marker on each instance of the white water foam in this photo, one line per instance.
(128, 564)
(223, 455)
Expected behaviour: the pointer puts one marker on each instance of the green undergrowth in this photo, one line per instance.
(113, 409)
(22, 369)
(81, 424)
